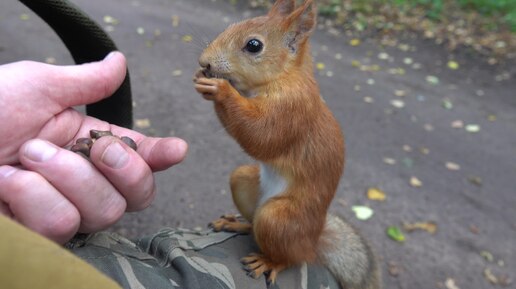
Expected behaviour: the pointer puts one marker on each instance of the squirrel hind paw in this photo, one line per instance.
(230, 223)
(257, 265)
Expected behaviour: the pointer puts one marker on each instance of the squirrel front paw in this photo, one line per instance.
(215, 89)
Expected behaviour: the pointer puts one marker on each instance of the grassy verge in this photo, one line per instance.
(486, 26)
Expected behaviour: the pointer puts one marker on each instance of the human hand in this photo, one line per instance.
(57, 192)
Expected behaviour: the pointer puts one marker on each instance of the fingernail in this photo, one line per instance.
(110, 55)
(182, 147)
(39, 150)
(115, 156)
(6, 171)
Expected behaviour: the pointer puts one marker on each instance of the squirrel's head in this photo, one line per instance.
(252, 53)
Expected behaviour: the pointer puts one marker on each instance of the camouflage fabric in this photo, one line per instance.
(180, 258)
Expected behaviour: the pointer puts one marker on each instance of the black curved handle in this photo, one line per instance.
(87, 42)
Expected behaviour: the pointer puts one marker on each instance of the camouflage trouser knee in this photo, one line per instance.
(179, 258)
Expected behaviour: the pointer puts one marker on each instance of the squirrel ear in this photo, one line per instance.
(282, 7)
(300, 24)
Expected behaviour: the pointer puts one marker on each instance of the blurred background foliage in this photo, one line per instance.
(486, 26)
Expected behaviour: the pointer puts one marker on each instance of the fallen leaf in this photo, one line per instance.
(487, 255)
(389, 161)
(424, 150)
(407, 148)
(175, 20)
(354, 42)
(24, 16)
(376, 194)
(395, 234)
(370, 81)
(447, 103)
(50, 60)
(400, 93)
(432, 79)
(362, 212)
(383, 56)
(450, 284)
(368, 99)
(177, 72)
(490, 276)
(415, 182)
(408, 61)
(398, 103)
(457, 124)
(320, 66)
(142, 123)
(475, 180)
(472, 128)
(430, 227)
(428, 127)
(453, 65)
(452, 166)
(140, 30)
(110, 20)
(187, 38)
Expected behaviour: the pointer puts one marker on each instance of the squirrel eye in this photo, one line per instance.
(254, 46)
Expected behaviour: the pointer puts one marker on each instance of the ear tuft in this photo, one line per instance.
(282, 8)
(300, 24)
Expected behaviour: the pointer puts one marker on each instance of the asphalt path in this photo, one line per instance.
(406, 110)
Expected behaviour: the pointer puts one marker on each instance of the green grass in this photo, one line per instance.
(503, 11)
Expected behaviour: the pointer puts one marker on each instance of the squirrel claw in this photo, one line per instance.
(256, 265)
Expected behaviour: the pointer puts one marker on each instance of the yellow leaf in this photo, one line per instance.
(376, 194)
(355, 63)
(415, 182)
(187, 38)
(320, 66)
(453, 65)
(430, 227)
(142, 123)
(354, 42)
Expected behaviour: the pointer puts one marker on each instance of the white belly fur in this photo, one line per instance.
(271, 183)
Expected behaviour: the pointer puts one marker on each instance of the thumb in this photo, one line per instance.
(87, 83)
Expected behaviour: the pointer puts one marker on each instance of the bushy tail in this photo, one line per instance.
(348, 256)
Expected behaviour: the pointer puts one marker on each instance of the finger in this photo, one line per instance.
(98, 202)
(87, 83)
(126, 170)
(162, 153)
(35, 203)
(158, 153)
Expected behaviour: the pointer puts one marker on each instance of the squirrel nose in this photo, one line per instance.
(204, 63)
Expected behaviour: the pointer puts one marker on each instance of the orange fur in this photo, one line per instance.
(271, 105)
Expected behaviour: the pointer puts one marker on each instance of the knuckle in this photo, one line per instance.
(61, 226)
(112, 214)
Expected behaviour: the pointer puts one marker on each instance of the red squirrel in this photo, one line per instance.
(259, 75)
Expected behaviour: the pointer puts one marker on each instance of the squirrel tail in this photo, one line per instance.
(348, 256)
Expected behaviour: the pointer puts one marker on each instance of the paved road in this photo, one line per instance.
(474, 207)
